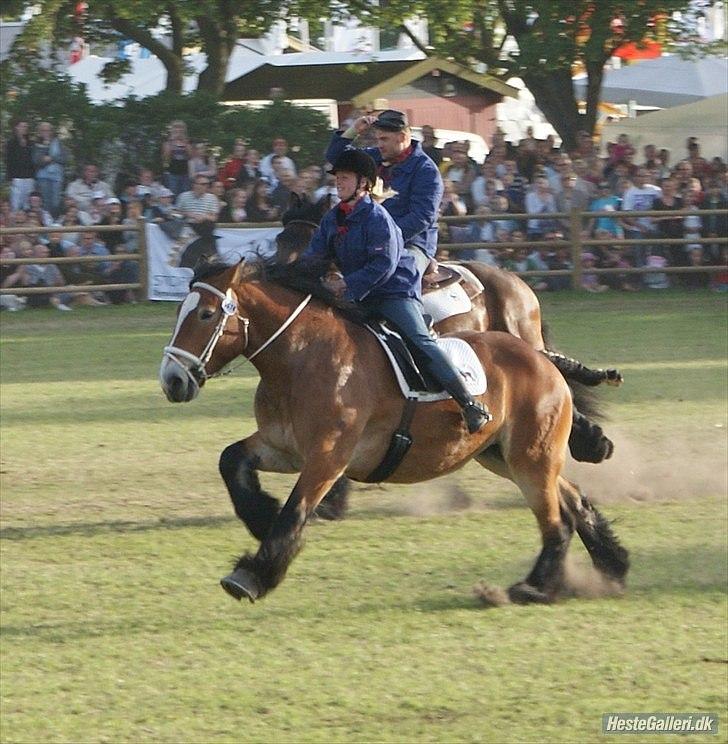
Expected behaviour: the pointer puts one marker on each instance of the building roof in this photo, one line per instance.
(666, 81)
(359, 78)
(670, 128)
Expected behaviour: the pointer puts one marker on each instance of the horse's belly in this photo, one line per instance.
(439, 446)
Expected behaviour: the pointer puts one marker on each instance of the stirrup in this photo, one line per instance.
(476, 417)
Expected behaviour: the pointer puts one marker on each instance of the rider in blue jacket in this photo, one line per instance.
(361, 238)
(406, 169)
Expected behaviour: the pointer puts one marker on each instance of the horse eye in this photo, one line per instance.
(205, 313)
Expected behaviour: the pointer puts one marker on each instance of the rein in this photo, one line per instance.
(310, 223)
(229, 307)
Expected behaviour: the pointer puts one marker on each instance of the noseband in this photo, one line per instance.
(195, 365)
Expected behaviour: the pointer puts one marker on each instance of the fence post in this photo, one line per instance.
(143, 259)
(575, 238)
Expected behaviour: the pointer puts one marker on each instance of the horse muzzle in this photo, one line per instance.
(179, 383)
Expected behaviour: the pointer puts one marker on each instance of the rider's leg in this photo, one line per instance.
(406, 315)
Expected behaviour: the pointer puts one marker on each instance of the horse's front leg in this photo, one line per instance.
(255, 575)
(239, 466)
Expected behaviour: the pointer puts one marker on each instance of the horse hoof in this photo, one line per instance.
(614, 377)
(523, 593)
(241, 583)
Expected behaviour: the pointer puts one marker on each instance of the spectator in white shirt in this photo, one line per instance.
(640, 197)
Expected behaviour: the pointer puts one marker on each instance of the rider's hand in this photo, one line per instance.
(363, 123)
(335, 283)
(430, 272)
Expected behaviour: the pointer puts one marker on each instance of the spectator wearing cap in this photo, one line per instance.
(113, 216)
(97, 209)
(163, 213)
(407, 170)
(84, 187)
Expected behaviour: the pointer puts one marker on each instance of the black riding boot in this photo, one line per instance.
(475, 414)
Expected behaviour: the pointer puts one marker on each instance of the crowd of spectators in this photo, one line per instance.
(522, 184)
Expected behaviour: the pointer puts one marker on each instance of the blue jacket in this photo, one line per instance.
(418, 184)
(369, 252)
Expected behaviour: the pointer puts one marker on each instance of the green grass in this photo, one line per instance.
(116, 528)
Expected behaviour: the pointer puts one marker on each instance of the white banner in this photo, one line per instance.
(169, 281)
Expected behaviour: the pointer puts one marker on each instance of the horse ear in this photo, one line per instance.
(325, 203)
(239, 274)
(294, 201)
(246, 269)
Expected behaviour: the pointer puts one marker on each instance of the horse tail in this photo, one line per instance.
(607, 554)
(587, 441)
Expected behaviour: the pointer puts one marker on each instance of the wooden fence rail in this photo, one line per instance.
(575, 242)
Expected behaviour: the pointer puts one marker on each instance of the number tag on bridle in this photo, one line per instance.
(229, 306)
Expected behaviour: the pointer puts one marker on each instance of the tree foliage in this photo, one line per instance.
(554, 37)
(212, 26)
(122, 138)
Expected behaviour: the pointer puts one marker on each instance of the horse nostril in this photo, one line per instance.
(176, 385)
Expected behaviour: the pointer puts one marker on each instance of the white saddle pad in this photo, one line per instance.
(463, 358)
(452, 300)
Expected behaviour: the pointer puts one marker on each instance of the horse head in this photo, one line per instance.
(300, 221)
(209, 333)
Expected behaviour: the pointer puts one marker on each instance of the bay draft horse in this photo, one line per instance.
(506, 304)
(327, 404)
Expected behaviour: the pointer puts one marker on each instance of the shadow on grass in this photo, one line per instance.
(90, 529)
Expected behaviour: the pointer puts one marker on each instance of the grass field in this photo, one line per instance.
(116, 528)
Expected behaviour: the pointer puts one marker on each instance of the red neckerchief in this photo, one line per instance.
(344, 209)
(384, 171)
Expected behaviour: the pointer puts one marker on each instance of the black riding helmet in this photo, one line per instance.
(357, 162)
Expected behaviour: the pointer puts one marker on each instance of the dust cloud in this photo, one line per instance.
(662, 466)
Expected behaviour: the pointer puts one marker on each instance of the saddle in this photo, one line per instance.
(449, 291)
(411, 374)
(443, 277)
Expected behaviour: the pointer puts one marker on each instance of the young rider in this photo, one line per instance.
(407, 170)
(366, 245)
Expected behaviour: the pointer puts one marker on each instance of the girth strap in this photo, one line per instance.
(398, 446)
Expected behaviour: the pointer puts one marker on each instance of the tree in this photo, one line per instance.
(213, 26)
(553, 37)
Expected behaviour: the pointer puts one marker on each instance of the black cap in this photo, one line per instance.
(358, 162)
(391, 120)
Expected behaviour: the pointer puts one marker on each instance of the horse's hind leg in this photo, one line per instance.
(539, 486)
(336, 502)
(574, 370)
(605, 551)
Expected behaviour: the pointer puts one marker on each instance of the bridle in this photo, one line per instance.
(194, 365)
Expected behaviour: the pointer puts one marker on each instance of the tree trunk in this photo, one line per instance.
(554, 94)
(171, 61)
(595, 75)
(218, 39)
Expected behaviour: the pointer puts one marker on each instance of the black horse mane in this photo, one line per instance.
(300, 276)
(301, 209)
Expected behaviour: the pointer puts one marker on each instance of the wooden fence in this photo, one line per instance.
(575, 242)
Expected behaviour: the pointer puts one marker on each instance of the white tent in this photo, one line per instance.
(664, 82)
(707, 120)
